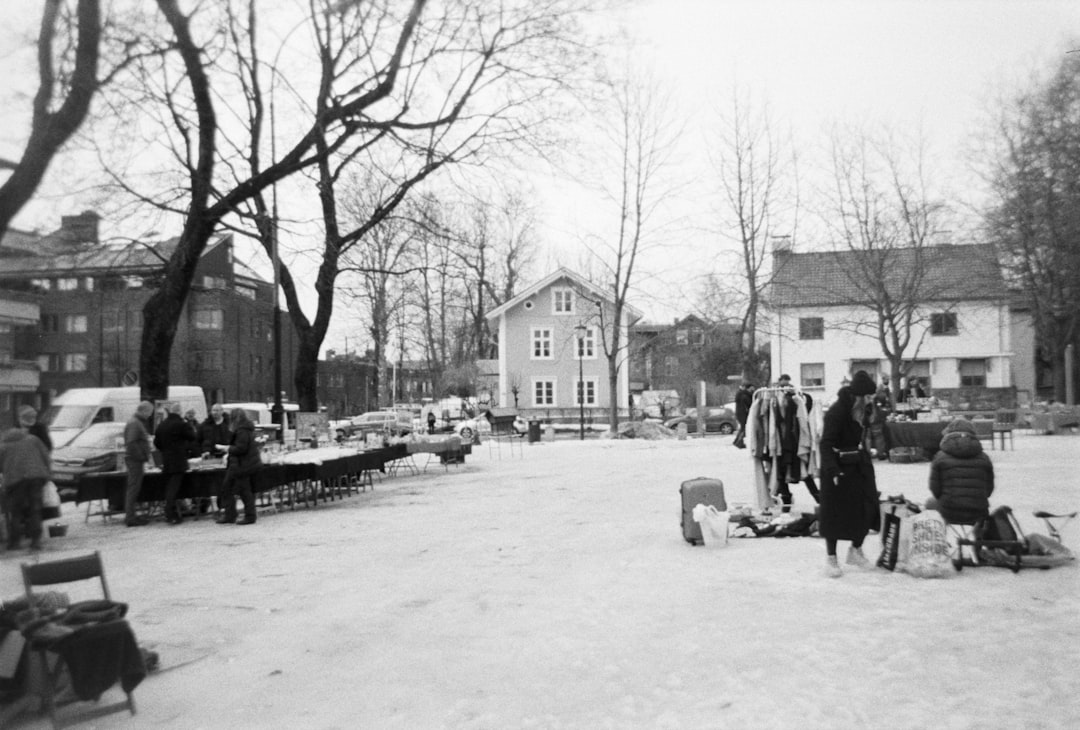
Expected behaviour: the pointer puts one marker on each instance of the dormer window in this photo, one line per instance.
(562, 301)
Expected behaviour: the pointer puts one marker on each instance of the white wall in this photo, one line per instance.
(984, 333)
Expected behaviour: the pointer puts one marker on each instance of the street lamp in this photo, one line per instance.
(581, 330)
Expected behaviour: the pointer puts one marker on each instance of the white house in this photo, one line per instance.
(551, 339)
(961, 336)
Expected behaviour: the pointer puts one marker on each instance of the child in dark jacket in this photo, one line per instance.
(961, 476)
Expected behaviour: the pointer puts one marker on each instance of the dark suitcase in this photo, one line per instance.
(699, 491)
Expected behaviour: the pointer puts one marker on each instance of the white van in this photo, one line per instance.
(261, 416)
(77, 408)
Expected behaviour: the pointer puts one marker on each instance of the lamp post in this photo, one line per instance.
(581, 330)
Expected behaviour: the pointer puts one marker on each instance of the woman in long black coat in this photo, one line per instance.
(849, 498)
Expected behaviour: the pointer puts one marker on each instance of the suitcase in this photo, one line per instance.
(699, 491)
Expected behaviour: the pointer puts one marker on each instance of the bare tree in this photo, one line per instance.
(885, 221)
(67, 81)
(759, 194)
(638, 139)
(1033, 168)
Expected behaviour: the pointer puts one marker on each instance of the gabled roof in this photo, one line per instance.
(950, 273)
(562, 273)
(131, 257)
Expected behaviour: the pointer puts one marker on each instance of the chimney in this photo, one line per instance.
(781, 245)
(82, 228)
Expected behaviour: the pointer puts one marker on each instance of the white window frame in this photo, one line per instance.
(592, 388)
(563, 300)
(807, 382)
(542, 339)
(67, 283)
(588, 343)
(544, 402)
(76, 362)
(75, 323)
(210, 319)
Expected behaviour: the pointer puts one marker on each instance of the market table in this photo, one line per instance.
(922, 434)
(295, 471)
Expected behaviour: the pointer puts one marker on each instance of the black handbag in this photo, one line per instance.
(848, 457)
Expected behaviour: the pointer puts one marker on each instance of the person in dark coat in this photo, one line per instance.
(961, 476)
(244, 462)
(174, 438)
(215, 430)
(25, 467)
(743, 400)
(136, 454)
(849, 497)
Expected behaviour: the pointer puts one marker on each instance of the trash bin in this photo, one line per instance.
(534, 432)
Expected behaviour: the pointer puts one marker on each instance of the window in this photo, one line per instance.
(682, 337)
(811, 328)
(258, 363)
(112, 321)
(973, 373)
(75, 362)
(50, 323)
(543, 392)
(585, 347)
(812, 374)
(209, 319)
(208, 360)
(697, 337)
(562, 301)
(88, 283)
(134, 282)
(590, 392)
(943, 323)
(75, 323)
(67, 284)
(213, 282)
(671, 365)
(541, 343)
(246, 292)
(870, 366)
(44, 284)
(49, 363)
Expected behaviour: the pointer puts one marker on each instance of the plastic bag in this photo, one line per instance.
(714, 525)
(924, 546)
(50, 495)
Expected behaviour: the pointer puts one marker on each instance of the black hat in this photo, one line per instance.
(862, 383)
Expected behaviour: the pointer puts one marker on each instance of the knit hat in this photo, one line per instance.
(960, 424)
(862, 384)
(27, 416)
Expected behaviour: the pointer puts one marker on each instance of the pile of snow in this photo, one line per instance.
(644, 430)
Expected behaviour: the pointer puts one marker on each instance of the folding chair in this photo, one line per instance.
(111, 638)
(1004, 423)
(998, 537)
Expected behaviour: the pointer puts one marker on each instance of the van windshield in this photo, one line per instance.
(69, 416)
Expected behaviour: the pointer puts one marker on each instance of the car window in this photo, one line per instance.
(98, 437)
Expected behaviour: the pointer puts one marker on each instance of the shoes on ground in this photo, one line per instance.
(832, 567)
(856, 558)
(247, 520)
(137, 522)
(175, 520)
(225, 521)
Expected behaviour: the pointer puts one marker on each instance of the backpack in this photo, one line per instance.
(999, 525)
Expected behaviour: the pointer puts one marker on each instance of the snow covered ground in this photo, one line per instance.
(553, 590)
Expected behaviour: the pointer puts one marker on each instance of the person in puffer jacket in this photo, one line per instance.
(961, 476)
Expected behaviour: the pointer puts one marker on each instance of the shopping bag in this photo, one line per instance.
(50, 495)
(924, 546)
(890, 540)
(714, 525)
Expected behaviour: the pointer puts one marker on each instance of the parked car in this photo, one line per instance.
(97, 448)
(397, 423)
(717, 420)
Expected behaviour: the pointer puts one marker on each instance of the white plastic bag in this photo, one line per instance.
(50, 495)
(924, 546)
(714, 525)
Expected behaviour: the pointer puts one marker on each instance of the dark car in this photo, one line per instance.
(717, 420)
(99, 447)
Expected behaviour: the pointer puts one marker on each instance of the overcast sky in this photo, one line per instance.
(816, 62)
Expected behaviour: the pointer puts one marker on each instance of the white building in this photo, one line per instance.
(825, 327)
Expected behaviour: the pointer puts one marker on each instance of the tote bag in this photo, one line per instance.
(714, 525)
